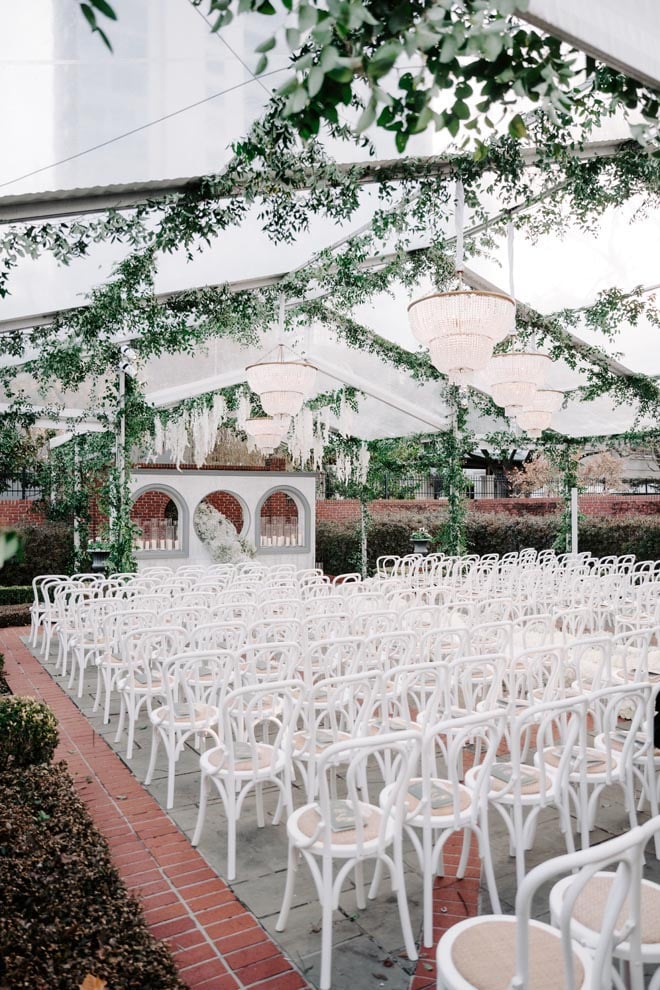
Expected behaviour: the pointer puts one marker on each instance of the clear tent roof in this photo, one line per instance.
(122, 118)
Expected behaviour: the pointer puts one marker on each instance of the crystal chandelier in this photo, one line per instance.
(534, 421)
(514, 379)
(267, 432)
(281, 379)
(461, 328)
(548, 400)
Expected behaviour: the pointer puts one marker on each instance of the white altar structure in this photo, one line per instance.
(274, 543)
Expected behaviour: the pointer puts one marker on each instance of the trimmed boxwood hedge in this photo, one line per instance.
(47, 549)
(64, 912)
(21, 594)
(14, 615)
(28, 732)
(338, 543)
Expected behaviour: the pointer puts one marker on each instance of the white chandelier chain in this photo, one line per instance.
(459, 222)
(510, 230)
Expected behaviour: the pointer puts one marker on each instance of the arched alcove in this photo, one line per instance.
(161, 516)
(282, 521)
(232, 507)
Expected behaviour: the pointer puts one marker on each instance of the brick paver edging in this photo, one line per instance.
(216, 942)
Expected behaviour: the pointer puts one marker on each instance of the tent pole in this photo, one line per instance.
(574, 520)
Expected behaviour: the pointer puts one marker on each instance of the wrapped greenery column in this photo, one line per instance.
(133, 419)
(455, 446)
(566, 458)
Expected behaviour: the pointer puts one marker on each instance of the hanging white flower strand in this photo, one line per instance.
(243, 410)
(345, 418)
(362, 464)
(353, 466)
(176, 438)
(157, 444)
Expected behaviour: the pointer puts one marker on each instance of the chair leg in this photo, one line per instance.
(259, 794)
(427, 887)
(292, 867)
(465, 852)
(155, 741)
(360, 898)
(171, 771)
(487, 864)
(122, 716)
(402, 900)
(325, 982)
(81, 676)
(375, 882)
(108, 678)
(230, 809)
(201, 814)
(99, 688)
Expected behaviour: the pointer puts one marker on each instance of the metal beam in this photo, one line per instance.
(33, 207)
(168, 396)
(176, 393)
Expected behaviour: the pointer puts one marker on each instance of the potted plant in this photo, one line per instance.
(99, 551)
(421, 541)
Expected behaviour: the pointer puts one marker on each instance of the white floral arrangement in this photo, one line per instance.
(219, 536)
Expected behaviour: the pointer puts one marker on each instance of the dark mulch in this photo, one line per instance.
(64, 911)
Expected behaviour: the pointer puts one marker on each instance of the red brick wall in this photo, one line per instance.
(229, 506)
(270, 464)
(150, 505)
(600, 505)
(279, 505)
(13, 512)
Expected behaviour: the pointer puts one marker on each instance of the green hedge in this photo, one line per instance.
(65, 913)
(338, 544)
(47, 549)
(14, 615)
(28, 732)
(21, 594)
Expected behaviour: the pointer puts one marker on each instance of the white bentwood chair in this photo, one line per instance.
(353, 830)
(520, 953)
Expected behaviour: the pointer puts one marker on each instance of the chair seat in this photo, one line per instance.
(305, 822)
(483, 953)
(204, 715)
(590, 907)
(596, 764)
(443, 813)
(215, 761)
(301, 741)
(530, 787)
(618, 740)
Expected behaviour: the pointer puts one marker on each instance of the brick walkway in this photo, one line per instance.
(217, 943)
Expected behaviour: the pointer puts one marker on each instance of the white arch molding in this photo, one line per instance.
(188, 487)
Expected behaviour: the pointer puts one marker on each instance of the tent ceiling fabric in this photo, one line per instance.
(625, 35)
(165, 59)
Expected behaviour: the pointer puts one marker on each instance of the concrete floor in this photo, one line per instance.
(368, 945)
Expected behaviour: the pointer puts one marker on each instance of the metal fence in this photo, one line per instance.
(427, 487)
(21, 486)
